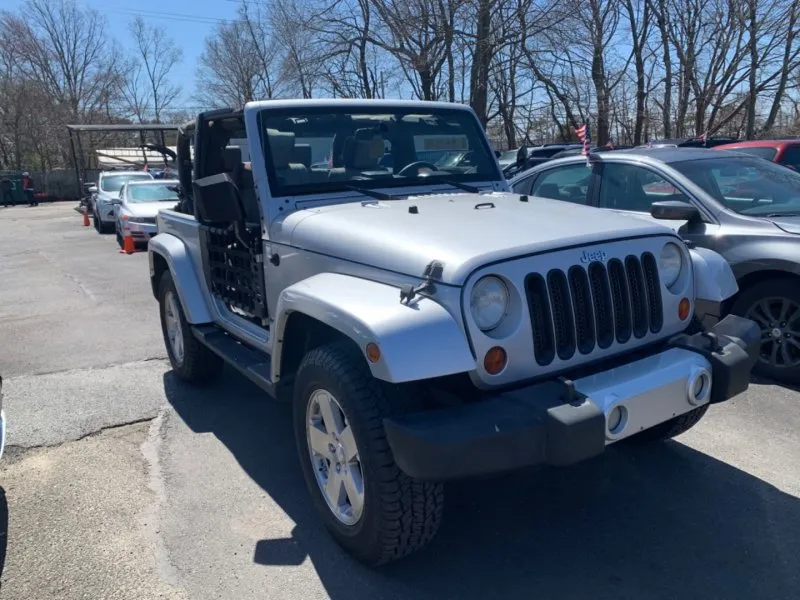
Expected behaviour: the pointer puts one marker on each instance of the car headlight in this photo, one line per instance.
(670, 263)
(489, 302)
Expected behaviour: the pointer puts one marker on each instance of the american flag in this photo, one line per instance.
(584, 136)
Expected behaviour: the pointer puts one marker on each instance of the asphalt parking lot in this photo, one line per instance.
(123, 483)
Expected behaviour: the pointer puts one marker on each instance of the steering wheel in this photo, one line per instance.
(415, 167)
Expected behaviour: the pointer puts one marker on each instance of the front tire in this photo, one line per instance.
(372, 509)
(190, 359)
(775, 305)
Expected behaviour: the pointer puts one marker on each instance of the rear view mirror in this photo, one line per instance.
(674, 210)
(522, 156)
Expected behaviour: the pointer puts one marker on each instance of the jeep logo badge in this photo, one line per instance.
(594, 255)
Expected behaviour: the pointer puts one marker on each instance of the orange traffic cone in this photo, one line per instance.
(128, 246)
(86, 217)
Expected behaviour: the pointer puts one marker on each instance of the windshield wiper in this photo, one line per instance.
(375, 194)
(463, 186)
(782, 214)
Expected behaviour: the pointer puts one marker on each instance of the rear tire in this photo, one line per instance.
(672, 428)
(190, 359)
(762, 303)
(395, 515)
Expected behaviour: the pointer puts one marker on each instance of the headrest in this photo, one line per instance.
(302, 154)
(232, 158)
(281, 146)
(365, 152)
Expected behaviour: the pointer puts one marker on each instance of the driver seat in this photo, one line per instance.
(361, 154)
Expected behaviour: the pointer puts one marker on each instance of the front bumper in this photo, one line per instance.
(139, 231)
(563, 422)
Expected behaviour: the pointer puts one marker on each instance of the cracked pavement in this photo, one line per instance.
(123, 483)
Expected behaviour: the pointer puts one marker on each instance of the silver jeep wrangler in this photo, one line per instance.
(366, 261)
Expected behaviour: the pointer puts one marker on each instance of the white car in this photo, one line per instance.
(138, 205)
(107, 189)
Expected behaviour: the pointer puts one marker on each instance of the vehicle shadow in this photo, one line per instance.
(3, 532)
(665, 521)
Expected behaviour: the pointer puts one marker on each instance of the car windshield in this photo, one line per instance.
(760, 151)
(750, 186)
(114, 183)
(320, 150)
(152, 192)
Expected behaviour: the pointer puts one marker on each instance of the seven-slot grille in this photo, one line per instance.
(583, 308)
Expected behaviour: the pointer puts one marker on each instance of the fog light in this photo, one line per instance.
(495, 360)
(616, 419)
(699, 387)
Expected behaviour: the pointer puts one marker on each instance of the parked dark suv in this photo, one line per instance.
(743, 207)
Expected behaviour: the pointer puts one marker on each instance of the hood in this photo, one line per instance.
(788, 224)
(464, 231)
(148, 209)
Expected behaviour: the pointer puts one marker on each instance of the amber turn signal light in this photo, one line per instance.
(373, 352)
(684, 306)
(495, 360)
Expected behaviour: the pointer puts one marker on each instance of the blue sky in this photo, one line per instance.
(188, 22)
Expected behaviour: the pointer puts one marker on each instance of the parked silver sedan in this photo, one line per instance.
(744, 207)
(138, 204)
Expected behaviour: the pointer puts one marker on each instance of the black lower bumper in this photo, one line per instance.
(547, 423)
(732, 347)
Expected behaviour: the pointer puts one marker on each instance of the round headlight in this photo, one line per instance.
(489, 302)
(670, 263)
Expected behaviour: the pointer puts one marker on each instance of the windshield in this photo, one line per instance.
(750, 186)
(113, 183)
(320, 150)
(760, 151)
(152, 192)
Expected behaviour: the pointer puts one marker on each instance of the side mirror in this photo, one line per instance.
(522, 156)
(115, 201)
(217, 199)
(674, 210)
(92, 189)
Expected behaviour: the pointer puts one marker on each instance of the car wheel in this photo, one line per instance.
(190, 359)
(775, 305)
(372, 509)
(120, 241)
(97, 224)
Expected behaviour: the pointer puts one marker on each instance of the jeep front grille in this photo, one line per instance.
(591, 307)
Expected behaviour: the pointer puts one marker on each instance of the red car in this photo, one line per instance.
(784, 152)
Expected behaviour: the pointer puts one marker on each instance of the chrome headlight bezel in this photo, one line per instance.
(489, 302)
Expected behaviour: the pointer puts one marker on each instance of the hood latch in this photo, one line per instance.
(432, 272)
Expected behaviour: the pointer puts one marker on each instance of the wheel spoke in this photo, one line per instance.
(348, 441)
(354, 486)
(334, 488)
(793, 341)
(774, 356)
(785, 358)
(756, 313)
(766, 309)
(331, 415)
(785, 306)
(318, 440)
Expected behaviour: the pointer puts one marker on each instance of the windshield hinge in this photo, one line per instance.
(432, 272)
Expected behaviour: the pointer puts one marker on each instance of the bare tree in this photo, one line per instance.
(156, 55)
